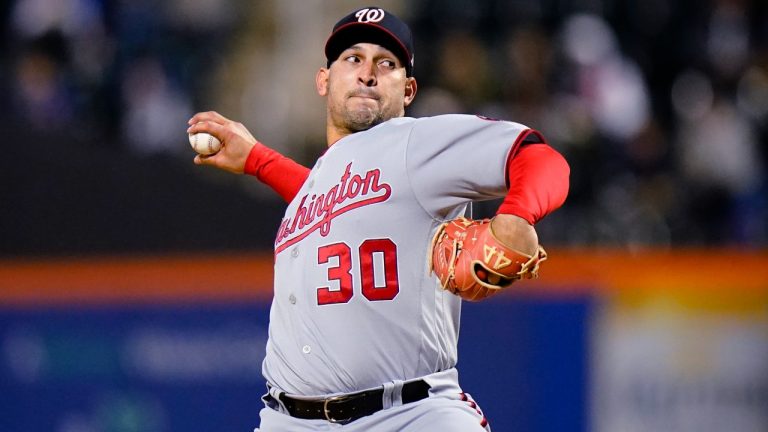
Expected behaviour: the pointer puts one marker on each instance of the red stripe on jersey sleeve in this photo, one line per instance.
(528, 136)
(282, 174)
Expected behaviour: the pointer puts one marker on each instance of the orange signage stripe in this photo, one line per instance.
(144, 279)
(578, 270)
(245, 277)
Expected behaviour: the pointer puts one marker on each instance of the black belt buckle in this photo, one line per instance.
(327, 412)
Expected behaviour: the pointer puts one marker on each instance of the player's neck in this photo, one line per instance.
(334, 134)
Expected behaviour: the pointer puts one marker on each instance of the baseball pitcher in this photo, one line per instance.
(373, 256)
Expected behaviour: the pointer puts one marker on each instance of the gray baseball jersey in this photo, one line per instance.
(354, 303)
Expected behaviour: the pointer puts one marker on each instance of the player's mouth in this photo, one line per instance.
(365, 94)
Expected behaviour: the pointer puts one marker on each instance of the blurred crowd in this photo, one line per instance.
(661, 107)
(121, 72)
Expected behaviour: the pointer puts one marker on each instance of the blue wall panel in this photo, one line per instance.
(197, 368)
(525, 362)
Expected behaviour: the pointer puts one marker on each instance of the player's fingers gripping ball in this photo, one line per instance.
(472, 263)
(204, 143)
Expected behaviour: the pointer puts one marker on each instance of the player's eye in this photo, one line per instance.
(389, 64)
(352, 58)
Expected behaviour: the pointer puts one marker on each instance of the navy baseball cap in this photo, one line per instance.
(372, 25)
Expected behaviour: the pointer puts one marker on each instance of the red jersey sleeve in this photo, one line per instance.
(538, 181)
(280, 173)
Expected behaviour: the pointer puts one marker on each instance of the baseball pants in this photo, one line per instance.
(447, 409)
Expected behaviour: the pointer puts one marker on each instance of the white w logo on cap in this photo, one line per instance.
(369, 15)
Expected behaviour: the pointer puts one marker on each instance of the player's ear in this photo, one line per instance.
(410, 90)
(321, 81)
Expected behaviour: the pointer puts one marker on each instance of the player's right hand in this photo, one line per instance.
(236, 141)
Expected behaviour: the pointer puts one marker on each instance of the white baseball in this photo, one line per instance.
(204, 143)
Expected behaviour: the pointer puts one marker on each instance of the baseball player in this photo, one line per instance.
(373, 258)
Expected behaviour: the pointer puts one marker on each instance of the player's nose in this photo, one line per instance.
(367, 74)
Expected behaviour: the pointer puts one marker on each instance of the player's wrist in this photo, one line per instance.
(255, 158)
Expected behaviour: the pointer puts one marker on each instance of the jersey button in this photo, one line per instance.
(292, 299)
(295, 252)
(306, 349)
(311, 183)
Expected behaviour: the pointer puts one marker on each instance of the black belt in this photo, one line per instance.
(350, 407)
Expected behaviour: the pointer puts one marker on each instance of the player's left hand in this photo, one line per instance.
(472, 263)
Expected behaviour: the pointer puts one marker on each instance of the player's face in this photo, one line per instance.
(365, 86)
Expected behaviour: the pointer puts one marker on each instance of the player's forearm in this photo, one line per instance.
(282, 174)
(538, 183)
(515, 232)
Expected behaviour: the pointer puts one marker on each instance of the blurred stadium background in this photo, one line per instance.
(134, 286)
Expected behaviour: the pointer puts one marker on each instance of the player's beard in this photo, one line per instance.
(359, 116)
(362, 114)
(362, 119)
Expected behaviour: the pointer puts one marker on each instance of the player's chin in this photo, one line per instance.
(363, 119)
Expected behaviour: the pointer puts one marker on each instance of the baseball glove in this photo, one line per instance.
(473, 264)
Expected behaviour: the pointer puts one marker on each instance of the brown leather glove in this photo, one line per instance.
(473, 264)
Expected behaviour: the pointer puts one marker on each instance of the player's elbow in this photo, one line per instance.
(560, 171)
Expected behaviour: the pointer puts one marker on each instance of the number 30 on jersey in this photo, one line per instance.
(368, 252)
